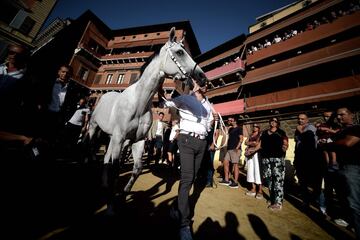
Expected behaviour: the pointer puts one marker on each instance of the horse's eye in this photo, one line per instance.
(180, 52)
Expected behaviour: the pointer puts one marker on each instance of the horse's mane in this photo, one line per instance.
(144, 66)
(148, 61)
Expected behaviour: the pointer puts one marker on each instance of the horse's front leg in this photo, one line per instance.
(137, 152)
(111, 168)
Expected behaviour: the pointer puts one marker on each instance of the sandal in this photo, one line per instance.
(275, 207)
(250, 193)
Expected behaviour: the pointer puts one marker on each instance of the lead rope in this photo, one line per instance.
(224, 132)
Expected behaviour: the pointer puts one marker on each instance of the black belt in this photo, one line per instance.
(195, 135)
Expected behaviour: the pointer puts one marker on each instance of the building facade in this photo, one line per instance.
(104, 59)
(21, 21)
(305, 61)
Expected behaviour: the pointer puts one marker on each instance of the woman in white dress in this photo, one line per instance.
(252, 160)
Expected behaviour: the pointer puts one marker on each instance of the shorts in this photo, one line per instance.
(233, 156)
(158, 142)
(173, 147)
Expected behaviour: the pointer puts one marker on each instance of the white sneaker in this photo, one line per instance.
(341, 222)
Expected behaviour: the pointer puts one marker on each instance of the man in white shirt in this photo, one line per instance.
(155, 136)
(196, 118)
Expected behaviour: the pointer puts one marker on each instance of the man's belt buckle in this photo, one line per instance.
(195, 135)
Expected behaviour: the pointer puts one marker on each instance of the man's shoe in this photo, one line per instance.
(234, 185)
(209, 185)
(185, 233)
(224, 182)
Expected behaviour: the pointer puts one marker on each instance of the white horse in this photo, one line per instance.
(127, 116)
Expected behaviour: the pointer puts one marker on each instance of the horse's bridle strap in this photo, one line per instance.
(173, 58)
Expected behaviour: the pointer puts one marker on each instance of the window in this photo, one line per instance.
(133, 78)
(83, 73)
(108, 79)
(97, 79)
(120, 79)
(27, 25)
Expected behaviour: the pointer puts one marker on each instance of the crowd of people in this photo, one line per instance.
(325, 162)
(324, 18)
(52, 120)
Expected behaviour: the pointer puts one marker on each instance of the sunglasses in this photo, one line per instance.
(10, 52)
(273, 120)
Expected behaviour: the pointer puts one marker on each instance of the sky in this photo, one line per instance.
(213, 21)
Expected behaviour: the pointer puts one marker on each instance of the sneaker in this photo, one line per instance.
(275, 207)
(250, 193)
(259, 196)
(224, 182)
(234, 185)
(341, 222)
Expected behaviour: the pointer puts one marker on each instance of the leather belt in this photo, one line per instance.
(195, 135)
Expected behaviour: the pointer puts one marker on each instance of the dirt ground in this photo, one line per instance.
(64, 200)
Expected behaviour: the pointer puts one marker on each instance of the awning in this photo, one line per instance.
(230, 108)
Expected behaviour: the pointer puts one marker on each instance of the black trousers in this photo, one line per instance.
(191, 154)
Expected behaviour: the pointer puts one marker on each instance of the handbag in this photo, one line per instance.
(250, 151)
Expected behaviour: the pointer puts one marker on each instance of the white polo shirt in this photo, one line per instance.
(195, 116)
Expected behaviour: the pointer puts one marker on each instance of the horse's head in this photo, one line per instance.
(178, 63)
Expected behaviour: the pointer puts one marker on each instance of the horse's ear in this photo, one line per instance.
(172, 35)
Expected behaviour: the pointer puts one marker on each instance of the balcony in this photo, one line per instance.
(126, 56)
(327, 54)
(315, 93)
(232, 67)
(323, 31)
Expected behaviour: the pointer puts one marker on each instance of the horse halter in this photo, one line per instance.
(173, 58)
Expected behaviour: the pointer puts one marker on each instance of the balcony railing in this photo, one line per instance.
(232, 67)
(327, 54)
(314, 93)
(341, 24)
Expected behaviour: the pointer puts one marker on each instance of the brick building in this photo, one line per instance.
(313, 67)
(104, 59)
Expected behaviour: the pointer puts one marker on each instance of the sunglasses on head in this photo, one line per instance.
(273, 120)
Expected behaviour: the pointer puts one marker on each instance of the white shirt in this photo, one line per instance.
(78, 117)
(195, 116)
(159, 129)
(174, 129)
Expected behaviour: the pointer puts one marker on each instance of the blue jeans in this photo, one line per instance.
(351, 175)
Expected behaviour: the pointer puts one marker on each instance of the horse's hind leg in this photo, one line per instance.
(137, 152)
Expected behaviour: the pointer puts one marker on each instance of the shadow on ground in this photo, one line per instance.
(60, 200)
